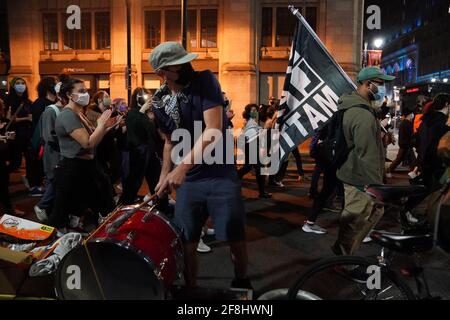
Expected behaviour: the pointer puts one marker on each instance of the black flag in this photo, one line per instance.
(314, 82)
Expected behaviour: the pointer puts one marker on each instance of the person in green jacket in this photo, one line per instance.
(365, 163)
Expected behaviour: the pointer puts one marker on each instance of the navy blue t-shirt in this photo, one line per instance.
(203, 93)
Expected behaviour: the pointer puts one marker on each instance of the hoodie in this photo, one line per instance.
(433, 128)
(362, 131)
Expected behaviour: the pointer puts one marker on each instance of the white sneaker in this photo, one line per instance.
(411, 219)
(412, 175)
(210, 232)
(202, 247)
(313, 228)
(367, 239)
(41, 214)
(389, 175)
(25, 182)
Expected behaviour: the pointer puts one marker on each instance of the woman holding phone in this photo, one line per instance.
(78, 176)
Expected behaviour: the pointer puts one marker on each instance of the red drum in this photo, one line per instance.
(136, 254)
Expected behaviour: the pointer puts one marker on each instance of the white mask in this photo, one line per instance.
(83, 99)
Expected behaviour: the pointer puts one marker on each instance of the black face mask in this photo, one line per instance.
(185, 74)
(141, 101)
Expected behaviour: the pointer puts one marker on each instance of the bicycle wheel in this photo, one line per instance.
(350, 278)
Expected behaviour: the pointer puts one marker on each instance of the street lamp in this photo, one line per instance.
(378, 43)
(128, 72)
(184, 22)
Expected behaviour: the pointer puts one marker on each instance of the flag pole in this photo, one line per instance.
(305, 23)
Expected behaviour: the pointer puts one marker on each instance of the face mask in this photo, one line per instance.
(58, 87)
(83, 99)
(142, 99)
(379, 96)
(107, 102)
(254, 115)
(123, 108)
(20, 88)
(185, 74)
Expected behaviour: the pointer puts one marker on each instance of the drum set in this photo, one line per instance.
(136, 253)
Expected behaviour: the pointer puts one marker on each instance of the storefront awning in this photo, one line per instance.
(74, 67)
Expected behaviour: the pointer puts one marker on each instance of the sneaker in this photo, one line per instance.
(37, 192)
(275, 183)
(265, 195)
(313, 228)
(411, 219)
(41, 214)
(367, 239)
(412, 175)
(25, 182)
(241, 284)
(388, 175)
(202, 247)
(210, 232)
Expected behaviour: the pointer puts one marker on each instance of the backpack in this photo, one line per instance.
(37, 142)
(334, 151)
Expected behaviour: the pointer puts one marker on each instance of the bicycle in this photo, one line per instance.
(373, 278)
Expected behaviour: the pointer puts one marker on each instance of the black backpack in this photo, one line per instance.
(333, 150)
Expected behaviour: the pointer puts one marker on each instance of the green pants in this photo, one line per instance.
(359, 216)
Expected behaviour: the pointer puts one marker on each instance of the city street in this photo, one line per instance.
(278, 249)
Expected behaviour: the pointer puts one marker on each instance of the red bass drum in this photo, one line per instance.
(136, 254)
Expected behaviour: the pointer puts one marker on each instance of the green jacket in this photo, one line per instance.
(362, 131)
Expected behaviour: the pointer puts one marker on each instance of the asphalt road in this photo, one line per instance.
(278, 249)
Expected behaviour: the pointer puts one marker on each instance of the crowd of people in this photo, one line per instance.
(85, 155)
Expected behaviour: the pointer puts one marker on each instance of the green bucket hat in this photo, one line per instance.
(170, 54)
(370, 73)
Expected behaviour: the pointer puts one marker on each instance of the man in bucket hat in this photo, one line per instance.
(191, 99)
(365, 162)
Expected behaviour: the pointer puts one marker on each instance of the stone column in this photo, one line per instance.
(237, 69)
(25, 42)
(119, 48)
(344, 33)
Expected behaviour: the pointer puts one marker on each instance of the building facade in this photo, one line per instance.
(245, 43)
(416, 37)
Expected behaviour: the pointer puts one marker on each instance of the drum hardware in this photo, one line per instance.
(112, 228)
(147, 217)
(158, 271)
(142, 241)
(174, 243)
(130, 238)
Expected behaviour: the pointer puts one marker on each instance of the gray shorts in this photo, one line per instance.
(219, 198)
